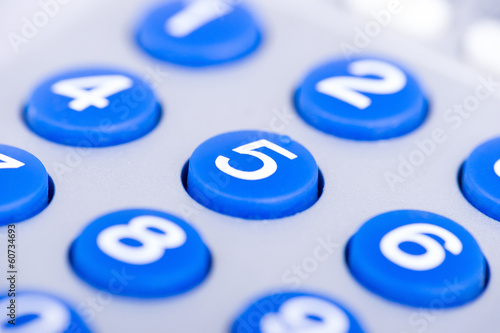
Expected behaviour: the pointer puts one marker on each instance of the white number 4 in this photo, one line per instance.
(9, 162)
(91, 90)
(267, 170)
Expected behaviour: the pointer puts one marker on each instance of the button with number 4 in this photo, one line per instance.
(199, 32)
(38, 312)
(481, 178)
(140, 253)
(253, 175)
(295, 312)
(24, 185)
(362, 99)
(419, 259)
(92, 108)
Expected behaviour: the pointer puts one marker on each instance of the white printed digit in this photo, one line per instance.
(269, 167)
(9, 163)
(91, 90)
(496, 167)
(418, 233)
(194, 16)
(294, 317)
(51, 315)
(348, 88)
(153, 244)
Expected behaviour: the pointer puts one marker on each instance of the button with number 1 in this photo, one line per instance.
(362, 99)
(92, 108)
(418, 258)
(140, 253)
(253, 175)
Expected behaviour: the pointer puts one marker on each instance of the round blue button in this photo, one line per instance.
(253, 175)
(25, 185)
(418, 258)
(362, 99)
(38, 312)
(480, 178)
(92, 108)
(140, 253)
(199, 33)
(295, 312)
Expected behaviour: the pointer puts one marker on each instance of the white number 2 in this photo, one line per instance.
(269, 167)
(7, 162)
(294, 317)
(416, 233)
(348, 88)
(91, 90)
(153, 244)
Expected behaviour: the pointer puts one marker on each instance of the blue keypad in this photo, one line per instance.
(38, 312)
(24, 185)
(418, 258)
(362, 99)
(92, 108)
(295, 312)
(140, 253)
(480, 178)
(199, 33)
(253, 175)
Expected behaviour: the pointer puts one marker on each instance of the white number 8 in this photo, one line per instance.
(416, 233)
(153, 244)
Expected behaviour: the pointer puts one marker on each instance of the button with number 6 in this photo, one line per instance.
(24, 189)
(92, 108)
(418, 258)
(253, 175)
(140, 253)
(295, 312)
(362, 99)
(480, 178)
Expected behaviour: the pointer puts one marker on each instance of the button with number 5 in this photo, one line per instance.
(362, 99)
(419, 259)
(295, 312)
(92, 108)
(253, 175)
(480, 178)
(24, 189)
(140, 253)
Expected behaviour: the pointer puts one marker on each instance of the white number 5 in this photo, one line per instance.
(269, 167)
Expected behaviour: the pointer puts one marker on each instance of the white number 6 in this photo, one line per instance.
(269, 167)
(416, 233)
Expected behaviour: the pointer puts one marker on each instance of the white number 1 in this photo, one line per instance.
(269, 167)
(91, 90)
(9, 162)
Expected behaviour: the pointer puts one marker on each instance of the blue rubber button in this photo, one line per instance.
(480, 178)
(253, 175)
(38, 312)
(362, 99)
(419, 259)
(92, 108)
(24, 185)
(199, 33)
(296, 312)
(140, 253)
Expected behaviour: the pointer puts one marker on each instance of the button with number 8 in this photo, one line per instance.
(92, 108)
(362, 99)
(253, 175)
(418, 258)
(140, 253)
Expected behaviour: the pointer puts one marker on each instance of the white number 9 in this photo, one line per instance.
(416, 233)
(294, 317)
(153, 244)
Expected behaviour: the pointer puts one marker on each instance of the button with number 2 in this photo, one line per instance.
(362, 99)
(419, 259)
(253, 175)
(140, 253)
